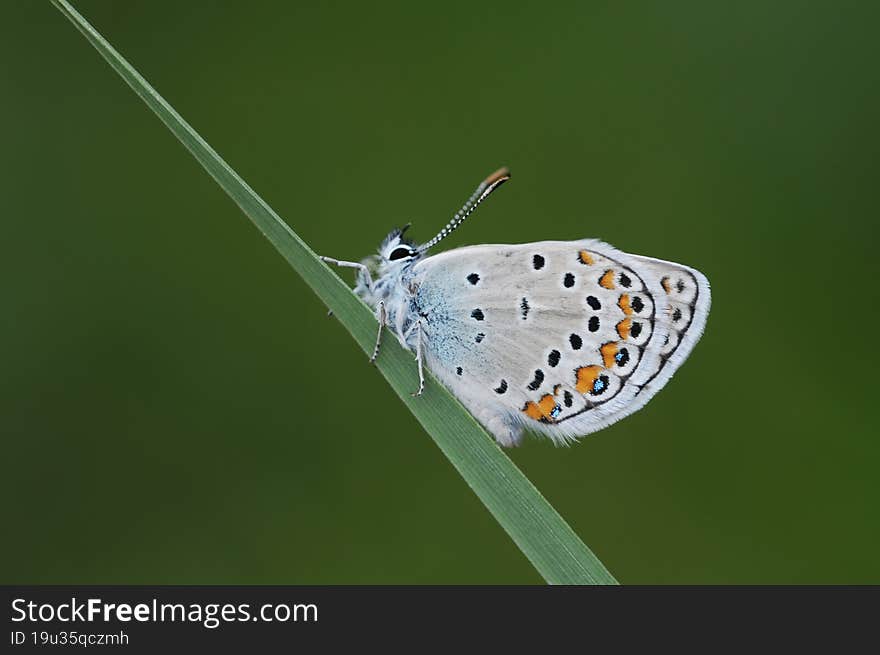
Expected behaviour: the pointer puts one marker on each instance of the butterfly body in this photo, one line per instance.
(560, 338)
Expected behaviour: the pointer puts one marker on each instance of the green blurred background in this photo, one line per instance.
(160, 360)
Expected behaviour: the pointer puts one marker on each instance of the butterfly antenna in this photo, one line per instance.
(486, 187)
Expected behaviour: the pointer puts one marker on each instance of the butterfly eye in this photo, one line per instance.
(399, 253)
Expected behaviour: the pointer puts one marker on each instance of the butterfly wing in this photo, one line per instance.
(556, 337)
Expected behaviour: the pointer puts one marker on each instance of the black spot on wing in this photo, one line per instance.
(502, 387)
(458, 370)
(637, 304)
(575, 341)
(593, 323)
(477, 315)
(479, 337)
(594, 303)
(539, 378)
(567, 399)
(538, 262)
(625, 281)
(473, 278)
(568, 280)
(524, 308)
(553, 358)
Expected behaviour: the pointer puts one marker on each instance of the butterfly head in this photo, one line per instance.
(398, 250)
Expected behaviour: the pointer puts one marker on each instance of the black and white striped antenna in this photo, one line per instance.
(486, 187)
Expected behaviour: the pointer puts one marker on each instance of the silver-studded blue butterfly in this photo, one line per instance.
(561, 338)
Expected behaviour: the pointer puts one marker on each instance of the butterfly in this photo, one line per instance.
(558, 338)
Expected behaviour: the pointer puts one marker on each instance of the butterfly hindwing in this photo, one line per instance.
(556, 337)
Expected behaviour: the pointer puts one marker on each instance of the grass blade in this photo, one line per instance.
(537, 529)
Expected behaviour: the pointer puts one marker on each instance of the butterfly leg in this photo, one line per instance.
(368, 279)
(380, 316)
(419, 361)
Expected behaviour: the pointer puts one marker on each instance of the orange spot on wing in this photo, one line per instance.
(541, 409)
(665, 283)
(608, 350)
(533, 411)
(585, 258)
(547, 403)
(624, 327)
(607, 279)
(624, 305)
(586, 377)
